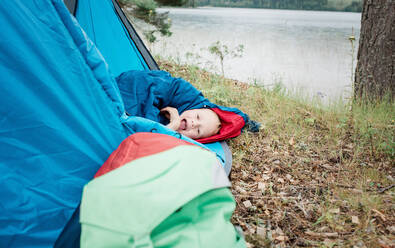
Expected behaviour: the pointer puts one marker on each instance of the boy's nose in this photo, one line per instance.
(195, 123)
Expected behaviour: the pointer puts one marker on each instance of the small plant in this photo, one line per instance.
(222, 51)
(352, 40)
(193, 58)
(146, 5)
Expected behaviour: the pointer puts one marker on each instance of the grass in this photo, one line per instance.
(314, 174)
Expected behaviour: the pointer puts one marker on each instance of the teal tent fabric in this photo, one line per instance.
(106, 30)
(61, 117)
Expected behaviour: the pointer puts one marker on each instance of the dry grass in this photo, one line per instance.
(314, 176)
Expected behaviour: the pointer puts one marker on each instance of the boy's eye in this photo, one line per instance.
(198, 131)
(198, 117)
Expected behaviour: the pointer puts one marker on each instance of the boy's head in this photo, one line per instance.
(199, 123)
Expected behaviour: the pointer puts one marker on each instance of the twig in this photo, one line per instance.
(345, 186)
(380, 214)
(299, 205)
(322, 235)
(382, 190)
(353, 188)
(265, 197)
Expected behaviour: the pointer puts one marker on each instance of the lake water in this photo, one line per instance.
(307, 50)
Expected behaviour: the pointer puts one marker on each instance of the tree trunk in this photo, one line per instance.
(375, 74)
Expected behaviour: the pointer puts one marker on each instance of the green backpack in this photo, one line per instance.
(177, 197)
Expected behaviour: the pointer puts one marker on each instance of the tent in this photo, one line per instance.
(103, 20)
(62, 115)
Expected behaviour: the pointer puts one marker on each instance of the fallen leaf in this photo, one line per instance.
(349, 146)
(334, 211)
(265, 177)
(282, 194)
(281, 238)
(291, 141)
(355, 220)
(328, 167)
(279, 231)
(261, 186)
(261, 231)
(360, 244)
(247, 204)
(241, 190)
(251, 230)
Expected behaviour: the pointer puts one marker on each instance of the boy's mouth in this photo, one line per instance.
(183, 124)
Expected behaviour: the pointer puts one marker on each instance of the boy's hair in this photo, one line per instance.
(230, 126)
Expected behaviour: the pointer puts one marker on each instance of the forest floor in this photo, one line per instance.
(315, 175)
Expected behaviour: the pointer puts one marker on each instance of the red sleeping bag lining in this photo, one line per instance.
(139, 145)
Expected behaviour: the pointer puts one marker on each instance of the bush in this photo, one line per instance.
(146, 10)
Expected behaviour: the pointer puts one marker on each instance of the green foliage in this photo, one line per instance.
(345, 5)
(146, 10)
(339, 5)
(172, 2)
(145, 6)
(374, 127)
(150, 35)
(222, 51)
(124, 2)
(355, 6)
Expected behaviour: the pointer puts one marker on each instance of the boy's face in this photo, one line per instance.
(199, 123)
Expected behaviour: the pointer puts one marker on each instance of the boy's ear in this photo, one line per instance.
(219, 128)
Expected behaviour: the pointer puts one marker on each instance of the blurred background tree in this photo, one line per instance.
(172, 2)
(333, 5)
(145, 10)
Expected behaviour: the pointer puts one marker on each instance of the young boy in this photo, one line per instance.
(174, 102)
(194, 123)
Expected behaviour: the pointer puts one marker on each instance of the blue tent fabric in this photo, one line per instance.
(61, 117)
(106, 30)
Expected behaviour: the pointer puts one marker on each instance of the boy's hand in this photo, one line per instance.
(173, 116)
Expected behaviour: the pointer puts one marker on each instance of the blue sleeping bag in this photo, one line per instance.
(145, 93)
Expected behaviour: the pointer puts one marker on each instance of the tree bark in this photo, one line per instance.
(374, 74)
